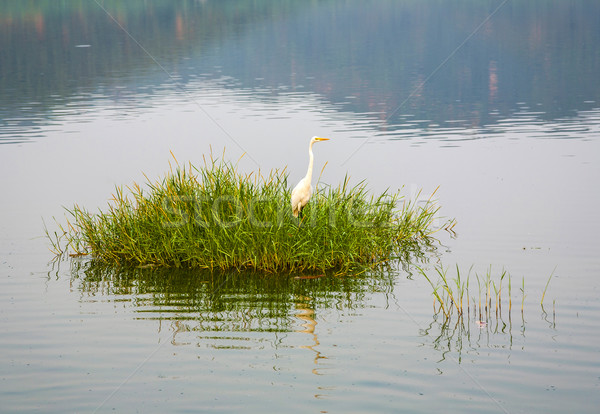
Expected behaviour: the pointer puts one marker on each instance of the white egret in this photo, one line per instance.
(303, 190)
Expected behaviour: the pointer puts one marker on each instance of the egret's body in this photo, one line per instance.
(303, 190)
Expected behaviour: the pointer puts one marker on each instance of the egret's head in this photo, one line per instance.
(317, 139)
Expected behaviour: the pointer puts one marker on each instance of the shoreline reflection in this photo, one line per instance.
(70, 59)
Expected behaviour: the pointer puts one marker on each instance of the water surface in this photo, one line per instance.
(496, 103)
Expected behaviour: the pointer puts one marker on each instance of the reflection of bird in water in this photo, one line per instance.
(306, 314)
(178, 327)
(303, 190)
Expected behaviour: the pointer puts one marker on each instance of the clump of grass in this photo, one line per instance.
(214, 217)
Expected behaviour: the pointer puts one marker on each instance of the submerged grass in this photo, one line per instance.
(214, 217)
(451, 295)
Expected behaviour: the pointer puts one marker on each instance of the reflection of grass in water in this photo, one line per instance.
(199, 303)
(229, 310)
(214, 217)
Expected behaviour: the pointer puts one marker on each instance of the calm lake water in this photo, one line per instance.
(497, 103)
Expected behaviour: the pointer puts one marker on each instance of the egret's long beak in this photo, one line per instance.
(321, 139)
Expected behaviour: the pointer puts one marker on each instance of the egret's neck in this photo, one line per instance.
(311, 159)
